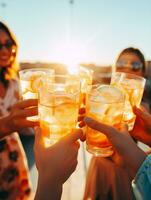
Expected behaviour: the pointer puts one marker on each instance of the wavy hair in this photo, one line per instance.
(9, 72)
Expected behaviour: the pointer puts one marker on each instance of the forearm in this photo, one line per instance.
(4, 127)
(48, 189)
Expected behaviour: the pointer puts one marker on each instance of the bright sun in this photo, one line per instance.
(70, 55)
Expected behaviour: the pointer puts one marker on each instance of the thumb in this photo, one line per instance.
(124, 129)
(116, 137)
(74, 136)
(109, 131)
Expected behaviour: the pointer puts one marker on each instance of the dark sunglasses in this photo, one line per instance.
(135, 66)
(7, 45)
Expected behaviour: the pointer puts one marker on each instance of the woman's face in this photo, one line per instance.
(129, 63)
(6, 49)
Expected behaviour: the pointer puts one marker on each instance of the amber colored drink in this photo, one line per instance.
(105, 104)
(58, 119)
(31, 81)
(58, 108)
(86, 76)
(133, 86)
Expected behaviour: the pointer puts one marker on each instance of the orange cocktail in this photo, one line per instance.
(86, 76)
(105, 104)
(133, 86)
(58, 107)
(30, 81)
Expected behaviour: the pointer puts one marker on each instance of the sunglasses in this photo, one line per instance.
(135, 66)
(7, 45)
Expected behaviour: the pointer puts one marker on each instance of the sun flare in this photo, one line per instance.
(71, 55)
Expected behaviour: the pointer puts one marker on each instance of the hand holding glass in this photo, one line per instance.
(58, 107)
(105, 103)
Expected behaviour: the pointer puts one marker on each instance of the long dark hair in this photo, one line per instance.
(9, 72)
(136, 52)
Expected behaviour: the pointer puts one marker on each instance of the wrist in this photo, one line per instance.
(48, 188)
(50, 174)
(139, 157)
(50, 177)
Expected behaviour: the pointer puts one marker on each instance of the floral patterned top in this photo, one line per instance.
(14, 176)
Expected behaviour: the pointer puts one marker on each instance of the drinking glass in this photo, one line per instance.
(58, 107)
(86, 76)
(105, 103)
(30, 82)
(133, 86)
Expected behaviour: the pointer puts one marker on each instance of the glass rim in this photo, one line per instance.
(130, 75)
(86, 69)
(50, 92)
(66, 76)
(36, 69)
(63, 75)
(76, 83)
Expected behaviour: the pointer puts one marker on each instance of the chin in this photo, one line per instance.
(4, 64)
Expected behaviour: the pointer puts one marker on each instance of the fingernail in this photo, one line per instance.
(134, 107)
(36, 128)
(136, 110)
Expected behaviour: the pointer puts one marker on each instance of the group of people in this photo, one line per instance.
(125, 175)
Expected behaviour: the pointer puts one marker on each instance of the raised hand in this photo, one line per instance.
(142, 127)
(122, 142)
(17, 118)
(55, 164)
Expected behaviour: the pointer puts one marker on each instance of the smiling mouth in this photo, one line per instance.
(4, 58)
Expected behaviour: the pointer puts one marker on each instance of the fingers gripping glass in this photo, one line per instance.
(7, 45)
(135, 66)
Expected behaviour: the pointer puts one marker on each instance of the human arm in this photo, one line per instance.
(17, 118)
(142, 127)
(55, 164)
(136, 160)
(122, 142)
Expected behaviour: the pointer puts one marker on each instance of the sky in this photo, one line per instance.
(90, 31)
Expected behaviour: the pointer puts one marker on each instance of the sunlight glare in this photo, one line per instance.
(71, 55)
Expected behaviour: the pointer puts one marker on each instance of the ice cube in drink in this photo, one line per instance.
(58, 107)
(105, 104)
(58, 118)
(30, 82)
(133, 87)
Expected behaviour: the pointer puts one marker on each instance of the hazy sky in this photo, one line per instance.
(88, 31)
